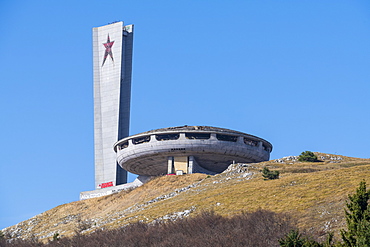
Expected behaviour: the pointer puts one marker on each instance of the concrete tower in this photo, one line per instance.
(112, 58)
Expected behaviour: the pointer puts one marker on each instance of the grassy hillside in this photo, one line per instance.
(313, 194)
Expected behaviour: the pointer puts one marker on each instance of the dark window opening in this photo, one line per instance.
(202, 136)
(166, 137)
(124, 145)
(141, 139)
(265, 147)
(250, 142)
(228, 138)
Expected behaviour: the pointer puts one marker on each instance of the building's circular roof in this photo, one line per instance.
(186, 128)
(212, 148)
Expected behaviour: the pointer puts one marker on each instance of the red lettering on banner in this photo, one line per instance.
(105, 185)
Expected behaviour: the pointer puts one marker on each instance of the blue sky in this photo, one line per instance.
(295, 73)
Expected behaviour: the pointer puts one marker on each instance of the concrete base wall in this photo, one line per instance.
(140, 180)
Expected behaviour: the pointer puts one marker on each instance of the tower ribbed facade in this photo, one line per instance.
(112, 64)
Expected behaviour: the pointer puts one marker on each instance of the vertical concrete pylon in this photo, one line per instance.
(112, 64)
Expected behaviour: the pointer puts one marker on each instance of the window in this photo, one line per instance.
(228, 138)
(201, 136)
(124, 145)
(141, 139)
(166, 137)
(250, 142)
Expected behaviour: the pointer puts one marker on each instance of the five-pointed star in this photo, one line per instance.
(108, 50)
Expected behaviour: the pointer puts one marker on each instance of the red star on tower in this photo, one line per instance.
(108, 50)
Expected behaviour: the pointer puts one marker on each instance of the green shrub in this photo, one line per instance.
(267, 174)
(56, 236)
(307, 156)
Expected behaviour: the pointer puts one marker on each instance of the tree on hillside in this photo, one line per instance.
(267, 174)
(292, 239)
(307, 156)
(357, 218)
(358, 225)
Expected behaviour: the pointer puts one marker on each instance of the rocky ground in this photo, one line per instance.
(313, 193)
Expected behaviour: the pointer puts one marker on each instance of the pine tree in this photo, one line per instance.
(292, 239)
(357, 218)
(295, 239)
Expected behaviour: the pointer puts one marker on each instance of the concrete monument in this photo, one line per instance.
(189, 149)
(175, 150)
(112, 61)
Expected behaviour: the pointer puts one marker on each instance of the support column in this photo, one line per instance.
(190, 164)
(170, 165)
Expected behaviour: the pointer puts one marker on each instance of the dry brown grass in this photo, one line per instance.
(313, 194)
(259, 229)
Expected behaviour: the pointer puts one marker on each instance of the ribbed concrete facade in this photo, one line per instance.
(189, 149)
(112, 61)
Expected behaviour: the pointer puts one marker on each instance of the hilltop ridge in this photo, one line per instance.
(313, 194)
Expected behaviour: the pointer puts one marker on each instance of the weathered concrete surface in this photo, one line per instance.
(112, 62)
(149, 156)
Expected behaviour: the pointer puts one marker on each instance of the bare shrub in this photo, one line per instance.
(32, 242)
(260, 228)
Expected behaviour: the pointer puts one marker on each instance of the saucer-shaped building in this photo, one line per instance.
(189, 149)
